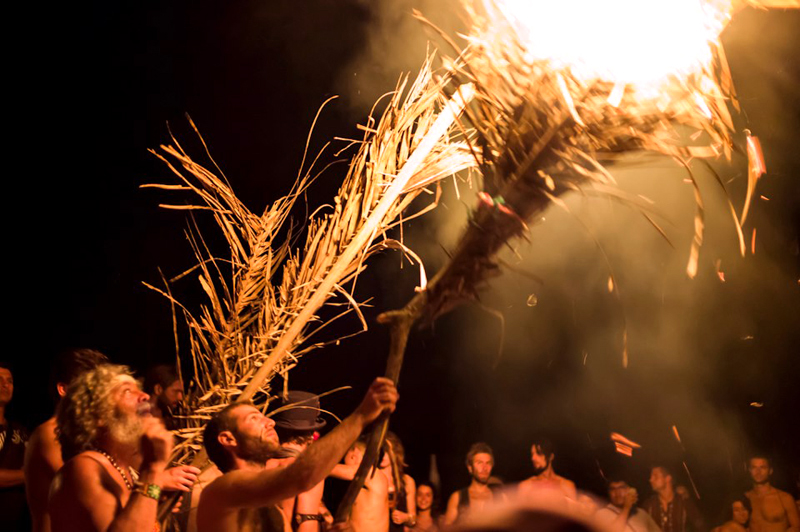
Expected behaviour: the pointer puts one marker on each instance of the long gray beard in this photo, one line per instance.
(127, 430)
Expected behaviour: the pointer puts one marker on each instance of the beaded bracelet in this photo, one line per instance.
(152, 491)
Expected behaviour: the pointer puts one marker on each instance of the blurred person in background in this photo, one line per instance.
(773, 510)
(13, 438)
(43, 455)
(737, 516)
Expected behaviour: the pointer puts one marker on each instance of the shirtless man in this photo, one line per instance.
(773, 510)
(240, 440)
(105, 431)
(544, 477)
(479, 493)
(371, 509)
(43, 455)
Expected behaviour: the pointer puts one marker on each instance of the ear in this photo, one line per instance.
(61, 388)
(226, 439)
(158, 389)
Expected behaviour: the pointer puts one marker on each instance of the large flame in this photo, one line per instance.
(637, 42)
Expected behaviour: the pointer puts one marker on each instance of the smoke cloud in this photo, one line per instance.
(708, 357)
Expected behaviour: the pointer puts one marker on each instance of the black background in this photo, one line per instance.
(94, 86)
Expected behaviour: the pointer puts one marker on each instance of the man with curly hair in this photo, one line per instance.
(105, 430)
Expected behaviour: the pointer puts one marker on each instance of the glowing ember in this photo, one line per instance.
(675, 433)
(624, 445)
(639, 42)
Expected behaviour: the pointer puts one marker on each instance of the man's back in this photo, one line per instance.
(42, 461)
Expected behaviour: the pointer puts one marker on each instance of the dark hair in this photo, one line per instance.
(664, 469)
(545, 446)
(6, 365)
(727, 512)
(616, 477)
(762, 455)
(478, 448)
(300, 437)
(222, 421)
(71, 363)
(435, 503)
(163, 375)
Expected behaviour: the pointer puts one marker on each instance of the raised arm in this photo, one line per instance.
(258, 488)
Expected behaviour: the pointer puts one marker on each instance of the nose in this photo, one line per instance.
(144, 397)
(270, 422)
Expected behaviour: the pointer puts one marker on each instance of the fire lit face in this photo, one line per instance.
(659, 480)
(740, 513)
(424, 498)
(6, 386)
(256, 438)
(617, 492)
(540, 460)
(130, 404)
(760, 470)
(481, 467)
(128, 397)
(172, 394)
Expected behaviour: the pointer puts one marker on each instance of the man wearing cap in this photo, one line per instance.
(297, 421)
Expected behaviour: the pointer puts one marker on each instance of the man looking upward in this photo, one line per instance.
(241, 441)
(105, 430)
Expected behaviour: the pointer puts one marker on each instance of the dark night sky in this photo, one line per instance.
(98, 83)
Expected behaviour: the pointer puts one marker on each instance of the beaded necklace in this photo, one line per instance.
(114, 463)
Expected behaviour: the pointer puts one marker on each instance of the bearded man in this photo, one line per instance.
(243, 443)
(481, 492)
(105, 430)
(544, 477)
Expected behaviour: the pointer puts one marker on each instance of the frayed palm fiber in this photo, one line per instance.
(262, 300)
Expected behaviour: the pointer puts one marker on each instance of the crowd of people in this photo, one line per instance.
(102, 463)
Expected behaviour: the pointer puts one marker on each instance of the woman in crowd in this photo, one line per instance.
(738, 513)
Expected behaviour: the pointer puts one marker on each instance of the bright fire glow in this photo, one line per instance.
(639, 42)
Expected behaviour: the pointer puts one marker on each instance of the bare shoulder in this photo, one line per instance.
(567, 484)
(43, 442)
(225, 492)
(81, 469)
